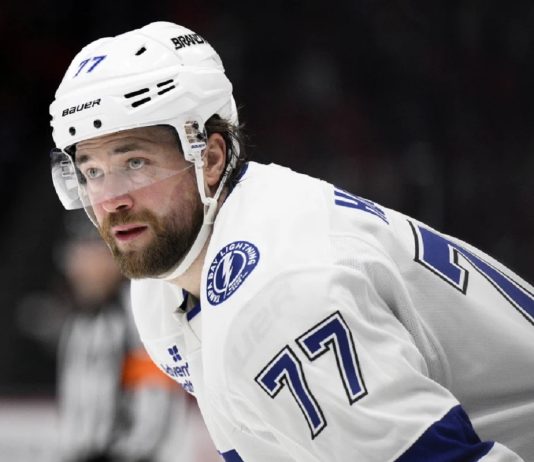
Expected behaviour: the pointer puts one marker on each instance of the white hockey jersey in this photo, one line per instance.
(333, 329)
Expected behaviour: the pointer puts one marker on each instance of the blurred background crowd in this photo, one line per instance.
(426, 107)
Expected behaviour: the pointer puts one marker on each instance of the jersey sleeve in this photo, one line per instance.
(316, 367)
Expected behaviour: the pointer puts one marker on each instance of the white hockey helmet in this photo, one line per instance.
(161, 74)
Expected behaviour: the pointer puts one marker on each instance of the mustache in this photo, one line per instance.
(125, 217)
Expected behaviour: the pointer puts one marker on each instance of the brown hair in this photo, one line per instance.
(234, 138)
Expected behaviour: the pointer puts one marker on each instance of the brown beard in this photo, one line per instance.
(174, 236)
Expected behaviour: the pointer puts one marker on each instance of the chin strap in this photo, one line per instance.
(201, 239)
(210, 209)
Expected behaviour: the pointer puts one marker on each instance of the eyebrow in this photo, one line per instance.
(120, 149)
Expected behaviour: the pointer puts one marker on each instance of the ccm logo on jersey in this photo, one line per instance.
(231, 266)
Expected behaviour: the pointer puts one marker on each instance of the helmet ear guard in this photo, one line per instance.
(161, 74)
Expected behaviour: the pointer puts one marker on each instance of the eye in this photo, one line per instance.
(136, 163)
(93, 173)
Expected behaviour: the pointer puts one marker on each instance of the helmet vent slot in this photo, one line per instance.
(140, 51)
(161, 84)
(141, 101)
(167, 84)
(161, 88)
(136, 93)
(165, 90)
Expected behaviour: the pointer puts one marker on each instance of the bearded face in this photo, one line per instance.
(171, 238)
(144, 197)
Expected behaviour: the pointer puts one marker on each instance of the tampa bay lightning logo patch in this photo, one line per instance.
(229, 269)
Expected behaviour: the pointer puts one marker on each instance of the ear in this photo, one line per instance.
(214, 160)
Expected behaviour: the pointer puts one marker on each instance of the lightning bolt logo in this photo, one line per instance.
(227, 270)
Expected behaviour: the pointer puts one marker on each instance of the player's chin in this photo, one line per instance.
(134, 265)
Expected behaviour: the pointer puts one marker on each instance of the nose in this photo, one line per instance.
(113, 193)
(118, 203)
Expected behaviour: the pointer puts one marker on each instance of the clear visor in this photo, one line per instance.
(84, 187)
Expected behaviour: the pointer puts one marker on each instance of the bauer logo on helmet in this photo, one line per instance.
(80, 107)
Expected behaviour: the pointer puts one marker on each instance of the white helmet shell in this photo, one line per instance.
(162, 73)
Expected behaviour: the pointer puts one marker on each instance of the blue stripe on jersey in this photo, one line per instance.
(193, 312)
(239, 176)
(345, 199)
(242, 172)
(231, 456)
(451, 439)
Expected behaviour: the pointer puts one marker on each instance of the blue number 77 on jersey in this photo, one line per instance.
(285, 368)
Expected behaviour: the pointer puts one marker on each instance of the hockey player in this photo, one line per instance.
(310, 324)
